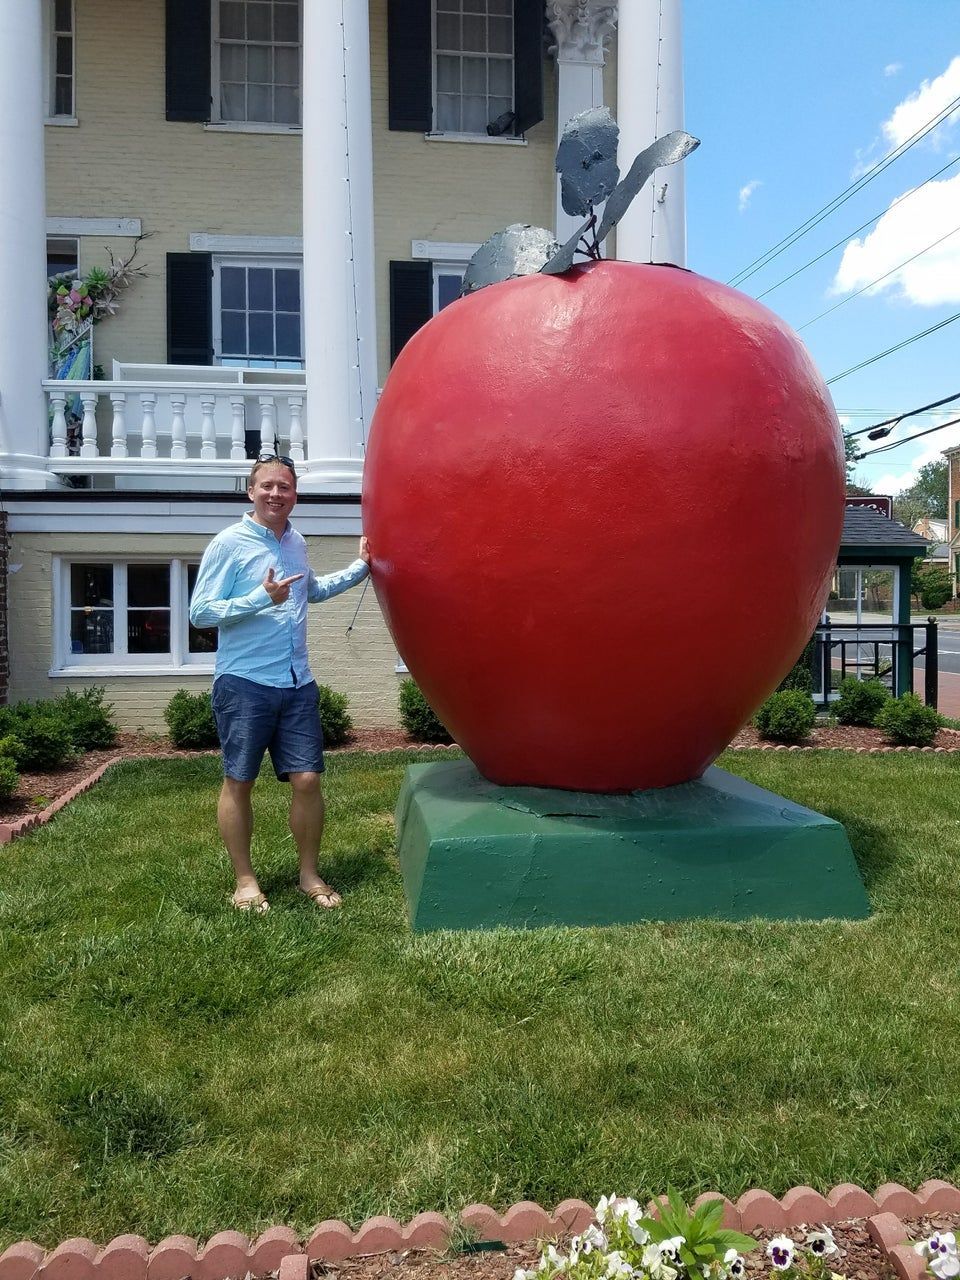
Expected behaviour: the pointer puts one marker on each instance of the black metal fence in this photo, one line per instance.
(883, 651)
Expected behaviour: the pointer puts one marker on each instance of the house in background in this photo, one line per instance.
(936, 533)
(310, 178)
(953, 514)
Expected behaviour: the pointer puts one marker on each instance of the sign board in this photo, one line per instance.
(876, 502)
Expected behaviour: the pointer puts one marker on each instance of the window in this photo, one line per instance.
(63, 257)
(473, 66)
(256, 61)
(61, 36)
(447, 279)
(258, 313)
(128, 614)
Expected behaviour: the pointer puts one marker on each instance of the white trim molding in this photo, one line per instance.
(476, 137)
(442, 250)
(253, 126)
(206, 242)
(93, 226)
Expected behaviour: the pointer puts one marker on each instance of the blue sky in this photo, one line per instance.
(793, 102)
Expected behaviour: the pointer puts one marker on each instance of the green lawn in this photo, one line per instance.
(169, 1065)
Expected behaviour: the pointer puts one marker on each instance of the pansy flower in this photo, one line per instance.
(822, 1243)
(780, 1252)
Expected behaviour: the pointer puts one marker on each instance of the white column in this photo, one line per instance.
(339, 316)
(650, 104)
(581, 29)
(24, 428)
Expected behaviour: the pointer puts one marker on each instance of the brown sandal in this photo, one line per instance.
(256, 903)
(326, 899)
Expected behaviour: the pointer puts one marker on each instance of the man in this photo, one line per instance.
(254, 584)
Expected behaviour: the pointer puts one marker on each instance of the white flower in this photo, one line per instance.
(945, 1265)
(822, 1242)
(604, 1207)
(734, 1264)
(520, 1274)
(552, 1260)
(592, 1238)
(618, 1268)
(639, 1234)
(671, 1248)
(780, 1252)
(651, 1258)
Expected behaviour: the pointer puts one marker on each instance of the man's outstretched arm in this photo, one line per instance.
(331, 584)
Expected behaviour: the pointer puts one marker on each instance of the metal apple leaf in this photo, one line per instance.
(518, 250)
(587, 160)
(562, 260)
(666, 150)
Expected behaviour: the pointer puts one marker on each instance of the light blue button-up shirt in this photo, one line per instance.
(260, 640)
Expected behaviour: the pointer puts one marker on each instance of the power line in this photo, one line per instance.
(900, 417)
(886, 274)
(897, 347)
(856, 231)
(758, 263)
(907, 439)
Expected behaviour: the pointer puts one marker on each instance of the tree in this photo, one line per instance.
(851, 455)
(927, 496)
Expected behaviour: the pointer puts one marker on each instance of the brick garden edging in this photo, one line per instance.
(10, 830)
(229, 1255)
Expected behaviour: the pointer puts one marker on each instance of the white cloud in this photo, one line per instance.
(746, 191)
(928, 101)
(907, 228)
(892, 68)
(909, 117)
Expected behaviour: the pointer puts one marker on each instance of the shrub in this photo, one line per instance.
(418, 717)
(189, 718)
(786, 716)
(11, 748)
(936, 587)
(90, 722)
(909, 722)
(334, 716)
(8, 776)
(860, 701)
(46, 741)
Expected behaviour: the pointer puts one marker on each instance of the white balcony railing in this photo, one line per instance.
(125, 424)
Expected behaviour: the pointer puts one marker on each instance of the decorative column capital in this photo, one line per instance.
(581, 29)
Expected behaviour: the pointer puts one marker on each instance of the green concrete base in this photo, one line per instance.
(477, 856)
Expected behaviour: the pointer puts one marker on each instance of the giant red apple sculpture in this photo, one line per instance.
(604, 507)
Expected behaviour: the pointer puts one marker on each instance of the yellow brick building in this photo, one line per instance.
(309, 179)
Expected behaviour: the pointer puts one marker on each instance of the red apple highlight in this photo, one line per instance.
(604, 508)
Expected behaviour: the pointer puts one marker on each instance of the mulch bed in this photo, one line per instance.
(859, 1259)
(37, 790)
(846, 737)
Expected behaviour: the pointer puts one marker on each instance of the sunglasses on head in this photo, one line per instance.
(266, 456)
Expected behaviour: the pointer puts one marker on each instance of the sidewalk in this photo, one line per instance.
(948, 691)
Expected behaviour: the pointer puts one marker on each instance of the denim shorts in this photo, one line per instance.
(253, 718)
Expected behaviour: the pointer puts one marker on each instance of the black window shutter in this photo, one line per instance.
(188, 59)
(410, 65)
(528, 18)
(411, 301)
(189, 315)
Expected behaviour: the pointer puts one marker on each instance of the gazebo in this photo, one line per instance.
(872, 541)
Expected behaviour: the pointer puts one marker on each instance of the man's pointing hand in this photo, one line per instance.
(279, 588)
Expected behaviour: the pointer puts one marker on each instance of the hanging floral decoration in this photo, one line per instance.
(76, 305)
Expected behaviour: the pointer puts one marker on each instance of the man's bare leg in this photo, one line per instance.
(235, 820)
(306, 823)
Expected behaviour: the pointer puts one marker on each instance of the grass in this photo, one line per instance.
(168, 1065)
